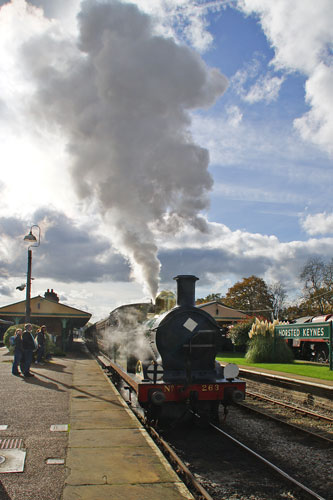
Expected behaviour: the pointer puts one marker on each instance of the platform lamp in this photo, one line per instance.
(30, 238)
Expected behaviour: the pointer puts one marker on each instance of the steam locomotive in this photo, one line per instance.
(175, 376)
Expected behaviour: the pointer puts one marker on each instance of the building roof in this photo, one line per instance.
(42, 307)
(221, 312)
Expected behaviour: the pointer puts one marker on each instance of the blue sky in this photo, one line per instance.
(158, 138)
(288, 176)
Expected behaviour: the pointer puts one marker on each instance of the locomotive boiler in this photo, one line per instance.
(178, 376)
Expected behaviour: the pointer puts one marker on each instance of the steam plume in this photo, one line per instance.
(123, 99)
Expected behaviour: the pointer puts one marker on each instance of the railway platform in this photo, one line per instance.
(244, 370)
(75, 437)
(300, 383)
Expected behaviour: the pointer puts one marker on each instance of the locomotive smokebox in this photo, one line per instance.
(185, 290)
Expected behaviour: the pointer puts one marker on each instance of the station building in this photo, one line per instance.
(60, 320)
(223, 315)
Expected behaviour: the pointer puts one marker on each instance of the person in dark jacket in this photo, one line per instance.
(18, 352)
(28, 349)
(41, 341)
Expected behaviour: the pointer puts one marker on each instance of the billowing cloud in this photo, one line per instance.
(123, 101)
(301, 35)
(232, 255)
(68, 251)
(318, 223)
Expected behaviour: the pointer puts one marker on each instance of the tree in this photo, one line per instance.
(317, 280)
(279, 294)
(210, 298)
(251, 295)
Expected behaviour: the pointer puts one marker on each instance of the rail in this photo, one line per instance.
(290, 407)
(268, 463)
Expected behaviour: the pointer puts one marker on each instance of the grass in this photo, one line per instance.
(297, 367)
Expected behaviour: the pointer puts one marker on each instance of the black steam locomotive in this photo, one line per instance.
(176, 374)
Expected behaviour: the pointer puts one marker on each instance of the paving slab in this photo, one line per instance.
(164, 491)
(104, 438)
(94, 405)
(100, 420)
(117, 465)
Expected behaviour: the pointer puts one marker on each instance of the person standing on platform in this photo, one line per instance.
(28, 349)
(18, 352)
(41, 341)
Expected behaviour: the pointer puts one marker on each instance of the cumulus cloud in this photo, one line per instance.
(321, 223)
(231, 255)
(68, 252)
(123, 100)
(301, 35)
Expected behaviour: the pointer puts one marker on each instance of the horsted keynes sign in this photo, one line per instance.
(319, 331)
(308, 331)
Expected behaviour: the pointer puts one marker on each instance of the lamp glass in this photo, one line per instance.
(30, 237)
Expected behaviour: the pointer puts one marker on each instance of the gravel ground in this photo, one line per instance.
(29, 407)
(316, 405)
(303, 400)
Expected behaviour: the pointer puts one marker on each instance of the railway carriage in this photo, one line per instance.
(312, 349)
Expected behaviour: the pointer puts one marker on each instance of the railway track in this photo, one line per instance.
(296, 409)
(270, 481)
(320, 426)
(300, 486)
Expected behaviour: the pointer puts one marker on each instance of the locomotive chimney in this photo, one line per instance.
(185, 290)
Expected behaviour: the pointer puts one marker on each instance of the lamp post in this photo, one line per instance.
(31, 238)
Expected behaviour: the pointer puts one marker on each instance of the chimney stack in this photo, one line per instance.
(186, 290)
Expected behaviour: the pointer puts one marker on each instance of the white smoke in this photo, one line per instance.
(122, 95)
(124, 339)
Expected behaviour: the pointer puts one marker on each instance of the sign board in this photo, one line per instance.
(319, 331)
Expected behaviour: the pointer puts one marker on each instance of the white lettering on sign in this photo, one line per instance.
(313, 332)
(302, 331)
(190, 324)
(289, 332)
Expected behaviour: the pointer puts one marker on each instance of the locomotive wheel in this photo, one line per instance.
(322, 356)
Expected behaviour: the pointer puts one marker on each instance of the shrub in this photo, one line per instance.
(264, 348)
(239, 334)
